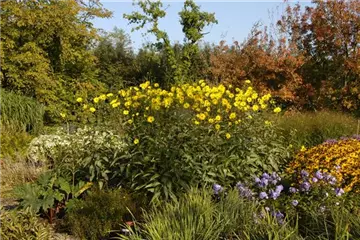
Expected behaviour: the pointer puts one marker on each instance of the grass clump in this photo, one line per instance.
(14, 143)
(198, 215)
(21, 113)
(313, 128)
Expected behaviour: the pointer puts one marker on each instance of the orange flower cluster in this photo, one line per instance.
(340, 158)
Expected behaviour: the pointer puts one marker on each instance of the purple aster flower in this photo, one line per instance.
(337, 167)
(292, 190)
(344, 138)
(305, 186)
(295, 203)
(319, 175)
(279, 216)
(304, 173)
(274, 194)
(356, 136)
(331, 141)
(264, 182)
(274, 178)
(314, 180)
(279, 188)
(263, 195)
(257, 180)
(265, 175)
(332, 181)
(339, 191)
(243, 190)
(217, 188)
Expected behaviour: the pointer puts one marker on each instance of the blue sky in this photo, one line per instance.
(235, 18)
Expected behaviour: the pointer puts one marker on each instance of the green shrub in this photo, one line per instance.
(101, 212)
(313, 128)
(22, 113)
(23, 224)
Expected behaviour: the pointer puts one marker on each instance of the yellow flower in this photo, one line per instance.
(109, 95)
(130, 121)
(136, 141)
(85, 106)
(228, 136)
(201, 116)
(255, 108)
(232, 115)
(92, 109)
(186, 105)
(303, 148)
(211, 120)
(249, 100)
(277, 110)
(156, 85)
(63, 115)
(96, 100)
(267, 123)
(79, 99)
(217, 126)
(196, 122)
(126, 112)
(103, 97)
(150, 119)
(247, 81)
(218, 118)
(116, 104)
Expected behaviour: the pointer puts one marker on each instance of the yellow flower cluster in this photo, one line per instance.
(210, 104)
(341, 159)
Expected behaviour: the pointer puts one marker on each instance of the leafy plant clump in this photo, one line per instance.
(87, 155)
(192, 134)
(100, 213)
(49, 194)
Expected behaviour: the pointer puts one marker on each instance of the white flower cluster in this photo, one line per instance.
(49, 147)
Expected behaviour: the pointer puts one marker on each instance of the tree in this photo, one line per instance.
(193, 22)
(115, 59)
(271, 66)
(328, 35)
(45, 50)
